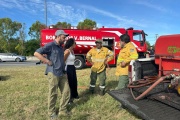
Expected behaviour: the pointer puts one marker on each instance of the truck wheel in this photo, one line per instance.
(79, 62)
(18, 60)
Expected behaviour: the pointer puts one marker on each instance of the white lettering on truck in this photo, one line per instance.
(87, 38)
(50, 37)
(75, 37)
(82, 37)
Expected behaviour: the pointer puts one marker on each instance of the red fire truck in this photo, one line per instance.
(85, 40)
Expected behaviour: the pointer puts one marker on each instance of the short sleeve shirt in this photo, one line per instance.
(55, 54)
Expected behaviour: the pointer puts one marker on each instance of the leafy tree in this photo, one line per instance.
(62, 25)
(22, 35)
(34, 30)
(31, 46)
(8, 30)
(86, 24)
(148, 44)
(13, 42)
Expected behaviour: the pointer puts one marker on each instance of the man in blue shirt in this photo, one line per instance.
(55, 72)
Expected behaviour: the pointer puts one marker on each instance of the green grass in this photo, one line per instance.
(24, 96)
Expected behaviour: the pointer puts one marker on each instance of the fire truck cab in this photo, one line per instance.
(85, 40)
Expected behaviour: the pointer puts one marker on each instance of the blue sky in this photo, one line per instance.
(153, 16)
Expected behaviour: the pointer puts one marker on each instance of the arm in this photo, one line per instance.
(132, 55)
(110, 56)
(66, 54)
(88, 56)
(44, 50)
(42, 58)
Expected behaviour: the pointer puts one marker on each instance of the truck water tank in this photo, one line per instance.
(168, 45)
(167, 52)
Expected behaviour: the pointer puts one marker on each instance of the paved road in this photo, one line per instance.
(26, 63)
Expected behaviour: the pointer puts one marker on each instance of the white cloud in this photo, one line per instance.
(56, 12)
(145, 3)
(25, 6)
(37, 1)
(9, 4)
(155, 7)
(129, 22)
(66, 13)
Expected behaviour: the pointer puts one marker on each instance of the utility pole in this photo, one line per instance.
(156, 36)
(45, 7)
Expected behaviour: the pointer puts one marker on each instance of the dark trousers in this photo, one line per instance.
(72, 79)
(102, 80)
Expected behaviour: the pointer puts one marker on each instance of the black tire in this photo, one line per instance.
(18, 60)
(79, 62)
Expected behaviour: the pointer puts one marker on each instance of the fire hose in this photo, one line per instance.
(150, 88)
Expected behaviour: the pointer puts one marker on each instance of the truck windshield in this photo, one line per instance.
(138, 36)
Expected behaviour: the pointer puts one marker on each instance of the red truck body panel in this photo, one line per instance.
(85, 39)
(167, 54)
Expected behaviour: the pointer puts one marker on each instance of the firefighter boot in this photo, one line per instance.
(102, 92)
(91, 90)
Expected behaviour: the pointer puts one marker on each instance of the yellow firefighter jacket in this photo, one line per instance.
(98, 57)
(126, 54)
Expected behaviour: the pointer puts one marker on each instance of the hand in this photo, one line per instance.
(92, 63)
(123, 64)
(48, 62)
(105, 62)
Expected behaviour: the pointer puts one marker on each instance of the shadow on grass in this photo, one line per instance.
(111, 85)
(81, 117)
(4, 78)
(84, 97)
(72, 117)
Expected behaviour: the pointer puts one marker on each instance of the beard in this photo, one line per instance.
(61, 42)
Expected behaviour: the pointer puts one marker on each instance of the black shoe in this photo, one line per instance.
(77, 97)
(71, 101)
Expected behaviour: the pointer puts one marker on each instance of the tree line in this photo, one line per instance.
(13, 35)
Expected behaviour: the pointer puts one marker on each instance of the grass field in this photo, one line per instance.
(24, 96)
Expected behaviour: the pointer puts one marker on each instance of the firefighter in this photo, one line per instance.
(99, 57)
(127, 53)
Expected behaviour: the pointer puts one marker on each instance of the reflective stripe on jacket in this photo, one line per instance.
(98, 57)
(127, 53)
